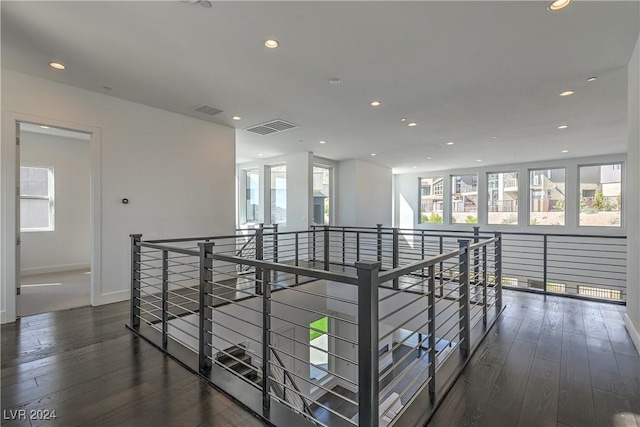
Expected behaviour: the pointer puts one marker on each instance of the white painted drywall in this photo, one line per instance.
(177, 172)
(67, 246)
(365, 194)
(632, 320)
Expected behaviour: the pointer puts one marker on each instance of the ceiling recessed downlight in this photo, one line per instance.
(375, 103)
(478, 160)
(373, 154)
(403, 119)
(322, 142)
(567, 93)
(558, 4)
(412, 124)
(259, 155)
(236, 118)
(334, 81)
(271, 43)
(592, 79)
(563, 126)
(429, 158)
(44, 127)
(564, 151)
(57, 65)
(450, 143)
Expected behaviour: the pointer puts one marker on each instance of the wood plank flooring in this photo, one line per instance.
(553, 362)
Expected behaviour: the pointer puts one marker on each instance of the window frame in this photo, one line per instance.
(50, 197)
(530, 200)
(432, 194)
(453, 192)
(518, 197)
(331, 197)
(621, 225)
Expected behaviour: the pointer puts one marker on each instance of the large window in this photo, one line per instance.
(318, 349)
(431, 200)
(321, 195)
(546, 196)
(600, 195)
(278, 194)
(502, 198)
(36, 199)
(252, 198)
(464, 199)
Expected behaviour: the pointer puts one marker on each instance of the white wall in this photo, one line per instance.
(632, 319)
(407, 191)
(364, 194)
(177, 172)
(67, 246)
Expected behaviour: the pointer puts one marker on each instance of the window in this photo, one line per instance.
(431, 200)
(321, 195)
(600, 195)
(278, 194)
(464, 199)
(252, 198)
(546, 196)
(36, 199)
(319, 349)
(502, 200)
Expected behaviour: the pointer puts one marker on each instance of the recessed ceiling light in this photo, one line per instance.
(592, 79)
(563, 126)
(558, 4)
(567, 93)
(478, 160)
(236, 118)
(450, 143)
(429, 158)
(375, 103)
(57, 65)
(494, 137)
(322, 142)
(44, 127)
(106, 87)
(271, 43)
(415, 167)
(564, 151)
(373, 154)
(259, 155)
(334, 81)
(403, 119)
(412, 124)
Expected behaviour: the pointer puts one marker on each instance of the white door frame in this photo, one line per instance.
(9, 234)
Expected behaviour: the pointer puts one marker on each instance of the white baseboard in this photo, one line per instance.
(54, 269)
(633, 332)
(111, 297)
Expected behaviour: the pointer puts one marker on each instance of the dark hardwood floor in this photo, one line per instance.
(553, 362)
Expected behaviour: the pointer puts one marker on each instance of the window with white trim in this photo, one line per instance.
(37, 211)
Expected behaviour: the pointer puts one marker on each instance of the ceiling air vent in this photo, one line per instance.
(208, 110)
(273, 126)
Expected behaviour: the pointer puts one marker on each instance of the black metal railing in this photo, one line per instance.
(403, 311)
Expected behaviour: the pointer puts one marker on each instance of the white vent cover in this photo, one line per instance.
(273, 126)
(208, 110)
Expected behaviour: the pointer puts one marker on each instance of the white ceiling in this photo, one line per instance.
(464, 71)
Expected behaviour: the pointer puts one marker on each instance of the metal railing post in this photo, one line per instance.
(344, 249)
(205, 311)
(484, 284)
(544, 263)
(297, 250)
(134, 312)
(497, 253)
(396, 254)
(476, 254)
(165, 298)
(313, 236)
(441, 248)
(379, 242)
(259, 256)
(431, 301)
(465, 322)
(357, 246)
(326, 247)
(275, 242)
(266, 343)
(368, 386)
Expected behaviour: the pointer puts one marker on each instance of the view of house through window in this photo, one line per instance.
(502, 198)
(36, 199)
(547, 196)
(464, 199)
(321, 195)
(600, 195)
(318, 349)
(431, 200)
(278, 194)
(252, 206)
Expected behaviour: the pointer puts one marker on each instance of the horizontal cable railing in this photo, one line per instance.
(347, 326)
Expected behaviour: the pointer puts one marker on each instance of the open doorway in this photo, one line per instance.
(54, 199)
